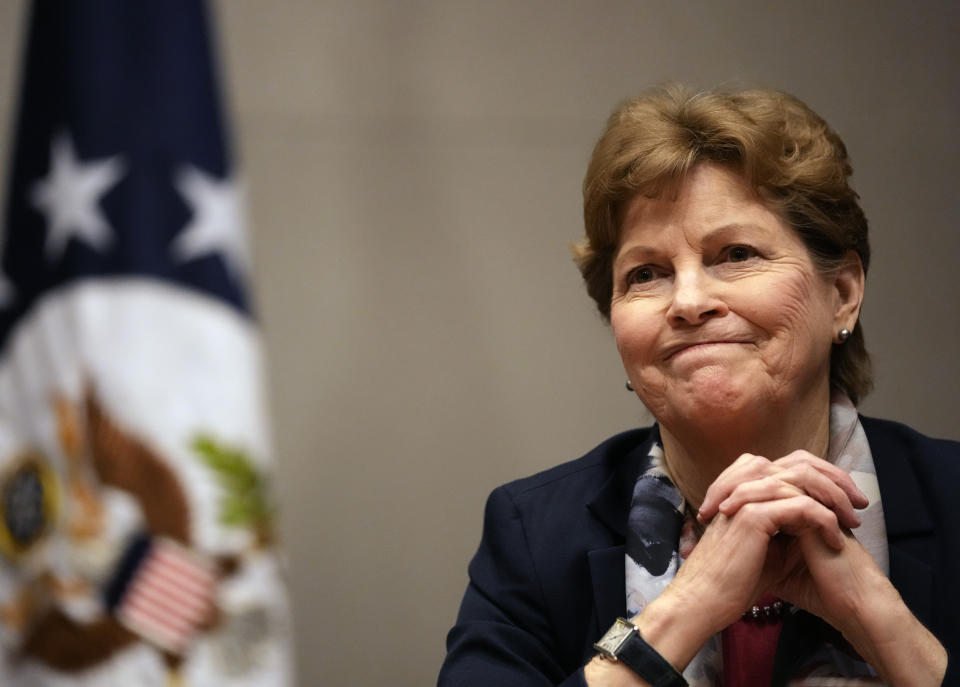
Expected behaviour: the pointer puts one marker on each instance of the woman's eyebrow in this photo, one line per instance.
(636, 251)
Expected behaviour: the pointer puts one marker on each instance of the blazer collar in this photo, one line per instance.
(611, 504)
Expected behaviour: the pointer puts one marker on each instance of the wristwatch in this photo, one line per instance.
(623, 643)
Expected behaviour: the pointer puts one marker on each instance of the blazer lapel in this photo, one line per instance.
(609, 585)
(611, 506)
(910, 529)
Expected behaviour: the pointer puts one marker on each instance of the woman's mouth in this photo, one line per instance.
(701, 346)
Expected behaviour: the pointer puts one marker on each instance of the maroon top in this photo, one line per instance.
(749, 647)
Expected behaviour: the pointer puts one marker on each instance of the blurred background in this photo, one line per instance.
(414, 173)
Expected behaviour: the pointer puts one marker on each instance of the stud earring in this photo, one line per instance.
(629, 385)
(843, 335)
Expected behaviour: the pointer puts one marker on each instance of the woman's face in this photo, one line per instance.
(717, 309)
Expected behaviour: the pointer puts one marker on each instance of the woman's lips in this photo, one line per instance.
(700, 346)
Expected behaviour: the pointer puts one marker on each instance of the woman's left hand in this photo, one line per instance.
(841, 584)
(847, 589)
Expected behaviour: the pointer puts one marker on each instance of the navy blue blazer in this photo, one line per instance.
(548, 578)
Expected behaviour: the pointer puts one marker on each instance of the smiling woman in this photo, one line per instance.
(762, 532)
(721, 318)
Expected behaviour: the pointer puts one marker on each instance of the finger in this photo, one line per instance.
(746, 468)
(800, 477)
(806, 476)
(765, 489)
(839, 477)
(794, 516)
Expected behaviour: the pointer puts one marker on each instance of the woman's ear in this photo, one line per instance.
(848, 282)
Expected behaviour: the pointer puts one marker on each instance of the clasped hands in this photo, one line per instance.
(782, 526)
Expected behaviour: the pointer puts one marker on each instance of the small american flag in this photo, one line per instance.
(169, 596)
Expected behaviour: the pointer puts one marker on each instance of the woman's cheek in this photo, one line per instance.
(635, 341)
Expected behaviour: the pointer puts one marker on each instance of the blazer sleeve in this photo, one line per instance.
(503, 635)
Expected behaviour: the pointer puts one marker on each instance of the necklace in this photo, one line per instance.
(768, 609)
(766, 613)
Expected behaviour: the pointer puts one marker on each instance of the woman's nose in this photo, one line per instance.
(694, 299)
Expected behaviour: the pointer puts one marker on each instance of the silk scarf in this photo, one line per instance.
(661, 534)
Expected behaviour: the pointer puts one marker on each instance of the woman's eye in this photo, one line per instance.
(641, 275)
(740, 253)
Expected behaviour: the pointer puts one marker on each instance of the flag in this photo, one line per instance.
(169, 597)
(137, 538)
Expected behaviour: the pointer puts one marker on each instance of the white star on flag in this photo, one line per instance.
(69, 197)
(218, 220)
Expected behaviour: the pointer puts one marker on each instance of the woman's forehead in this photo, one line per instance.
(711, 198)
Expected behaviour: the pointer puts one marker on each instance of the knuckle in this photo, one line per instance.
(735, 491)
(809, 506)
(770, 482)
(808, 472)
(750, 511)
(827, 516)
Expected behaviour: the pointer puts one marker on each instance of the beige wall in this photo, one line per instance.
(415, 169)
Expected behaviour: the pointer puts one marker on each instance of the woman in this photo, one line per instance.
(761, 532)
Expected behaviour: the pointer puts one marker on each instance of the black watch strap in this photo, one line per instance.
(623, 642)
(644, 660)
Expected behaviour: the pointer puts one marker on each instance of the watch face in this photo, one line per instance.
(609, 645)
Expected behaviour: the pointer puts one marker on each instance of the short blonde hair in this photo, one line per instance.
(785, 151)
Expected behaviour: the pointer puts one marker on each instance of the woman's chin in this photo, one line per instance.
(719, 400)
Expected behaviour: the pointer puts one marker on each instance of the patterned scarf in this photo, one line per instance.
(661, 534)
